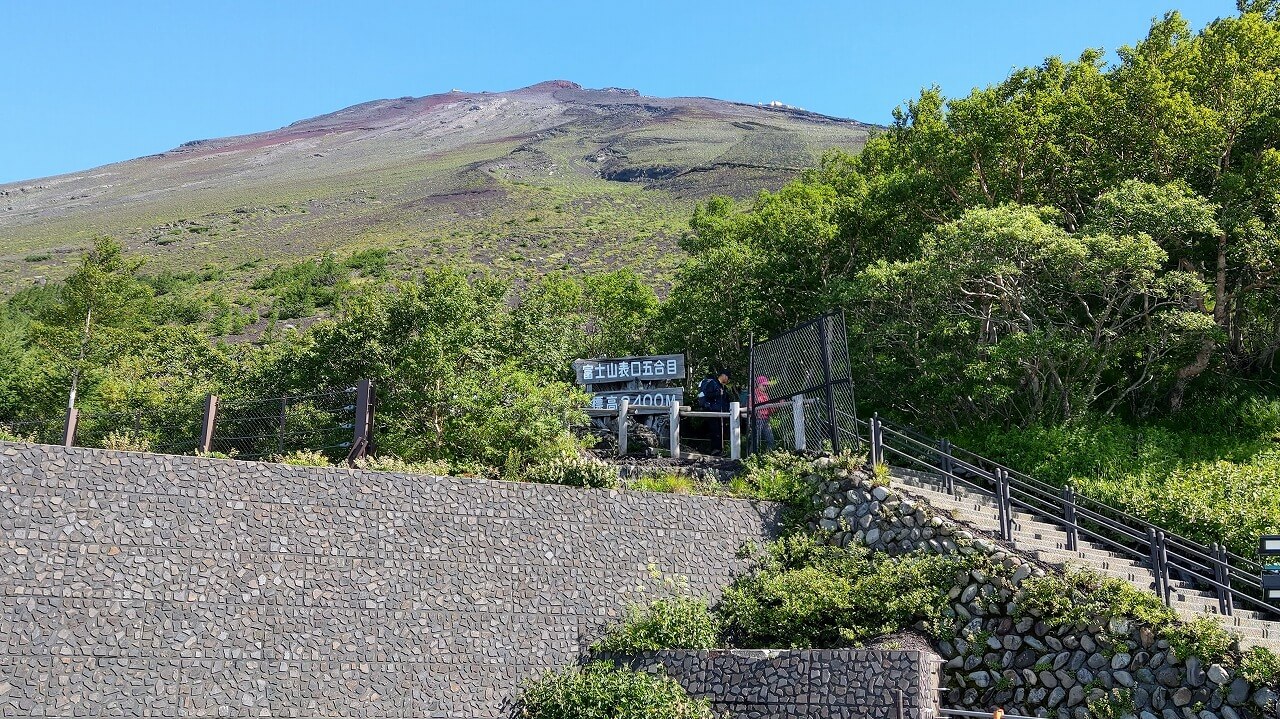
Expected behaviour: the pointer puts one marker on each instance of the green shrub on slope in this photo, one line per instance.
(602, 691)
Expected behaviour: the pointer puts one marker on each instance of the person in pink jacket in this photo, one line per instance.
(764, 431)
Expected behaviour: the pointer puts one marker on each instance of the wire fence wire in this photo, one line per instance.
(43, 430)
(809, 361)
(159, 431)
(244, 428)
(275, 427)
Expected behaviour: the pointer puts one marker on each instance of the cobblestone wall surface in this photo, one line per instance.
(805, 684)
(146, 585)
(1003, 655)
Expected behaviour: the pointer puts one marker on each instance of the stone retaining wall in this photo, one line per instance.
(805, 684)
(147, 585)
(999, 656)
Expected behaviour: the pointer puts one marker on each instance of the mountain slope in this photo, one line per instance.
(549, 176)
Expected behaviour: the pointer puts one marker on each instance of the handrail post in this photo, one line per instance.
(948, 465)
(1216, 549)
(1164, 568)
(1069, 517)
(797, 422)
(69, 427)
(205, 443)
(877, 448)
(735, 430)
(1228, 602)
(673, 430)
(1002, 500)
(623, 407)
(1157, 569)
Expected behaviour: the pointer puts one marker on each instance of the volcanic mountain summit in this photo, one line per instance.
(548, 176)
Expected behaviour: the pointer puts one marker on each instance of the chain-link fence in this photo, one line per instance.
(241, 428)
(809, 383)
(44, 430)
(173, 431)
(275, 427)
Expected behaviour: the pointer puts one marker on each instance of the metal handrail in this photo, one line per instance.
(1226, 573)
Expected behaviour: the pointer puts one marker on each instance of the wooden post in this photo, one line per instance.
(362, 426)
(735, 430)
(797, 420)
(623, 406)
(205, 443)
(69, 427)
(673, 430)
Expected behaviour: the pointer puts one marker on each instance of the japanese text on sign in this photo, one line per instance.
(627, 369)
(643, 398)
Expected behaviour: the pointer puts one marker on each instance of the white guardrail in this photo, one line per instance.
(734, 415)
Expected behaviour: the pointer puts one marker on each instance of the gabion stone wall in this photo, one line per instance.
(1003, 656)
(807, 683)
(145, 585)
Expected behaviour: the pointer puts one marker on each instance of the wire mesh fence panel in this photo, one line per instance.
(276, 427)
(167, 431)
(812, 362)
(44, 430)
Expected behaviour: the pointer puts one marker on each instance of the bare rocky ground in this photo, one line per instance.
(552, 176)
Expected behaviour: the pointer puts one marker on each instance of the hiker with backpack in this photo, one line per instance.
(764, 431)
(713, 396)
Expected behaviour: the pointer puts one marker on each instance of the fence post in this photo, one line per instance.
(205, 443)
(824, 336)
(735, 430)
(948, 466)
(673, 430)
(1069, 516)
(797, 422)
(752, 431)
(623, 407)
(69, 427)
(363, 424)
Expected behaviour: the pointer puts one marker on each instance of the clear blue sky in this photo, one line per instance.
(87, 83)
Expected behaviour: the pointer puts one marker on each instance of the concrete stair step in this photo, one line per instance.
(1047, 540)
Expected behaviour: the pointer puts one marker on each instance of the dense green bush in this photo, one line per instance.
(1211, 483)
(1085, 597)
(602, 691)
(1260, 667)
(677, 622)
(806, 594)
(577, 472)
